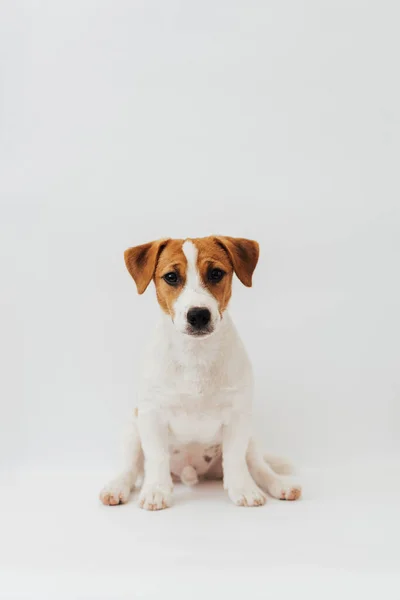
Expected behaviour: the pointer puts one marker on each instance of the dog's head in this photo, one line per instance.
(193, 277)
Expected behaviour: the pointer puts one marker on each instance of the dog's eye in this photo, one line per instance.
(215, 275)
(171, 278)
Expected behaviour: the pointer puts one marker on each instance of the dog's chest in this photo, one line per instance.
(195, 392)
(187, 426)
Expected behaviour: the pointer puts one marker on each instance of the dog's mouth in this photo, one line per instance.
(202, 333)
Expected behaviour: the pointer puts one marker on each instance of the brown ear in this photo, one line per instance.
(243, 254)
(141, 262)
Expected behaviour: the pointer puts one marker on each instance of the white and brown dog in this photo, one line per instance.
(193, 418)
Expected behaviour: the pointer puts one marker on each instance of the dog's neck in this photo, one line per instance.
(190, 351)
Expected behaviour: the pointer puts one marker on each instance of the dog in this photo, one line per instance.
(193, 418)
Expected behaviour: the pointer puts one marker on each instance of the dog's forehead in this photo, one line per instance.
(172, 254)
(191, 251)
(209, 250)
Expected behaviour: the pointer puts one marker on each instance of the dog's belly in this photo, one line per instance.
(202, 457)
(195, 439)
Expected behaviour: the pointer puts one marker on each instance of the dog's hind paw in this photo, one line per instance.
(116, 492)
(285, 489)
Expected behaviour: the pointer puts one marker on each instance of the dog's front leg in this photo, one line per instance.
(241, 487)
(156, 491)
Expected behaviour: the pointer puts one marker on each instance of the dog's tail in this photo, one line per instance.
(279, 465)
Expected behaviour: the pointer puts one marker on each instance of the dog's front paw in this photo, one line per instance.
(155, 497)
(285, 489)
(247, 496)
(116, 492)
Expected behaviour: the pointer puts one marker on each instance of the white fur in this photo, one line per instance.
(195, 400)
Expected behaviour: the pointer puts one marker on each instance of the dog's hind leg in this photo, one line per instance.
(279, 486)
(279, 465)
(118, 490)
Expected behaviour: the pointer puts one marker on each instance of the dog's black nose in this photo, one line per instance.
(198, 317)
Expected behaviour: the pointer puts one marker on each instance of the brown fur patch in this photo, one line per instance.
(243, 255)
(212, 256)
(172, 259)
(141, 262)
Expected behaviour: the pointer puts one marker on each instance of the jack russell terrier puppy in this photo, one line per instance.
(193, 419)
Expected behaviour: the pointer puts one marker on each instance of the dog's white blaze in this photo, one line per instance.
(193, 281)
(194, 293)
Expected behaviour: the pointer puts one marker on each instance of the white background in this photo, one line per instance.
(122, 122)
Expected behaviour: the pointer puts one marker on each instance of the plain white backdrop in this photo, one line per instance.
(122, 122)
